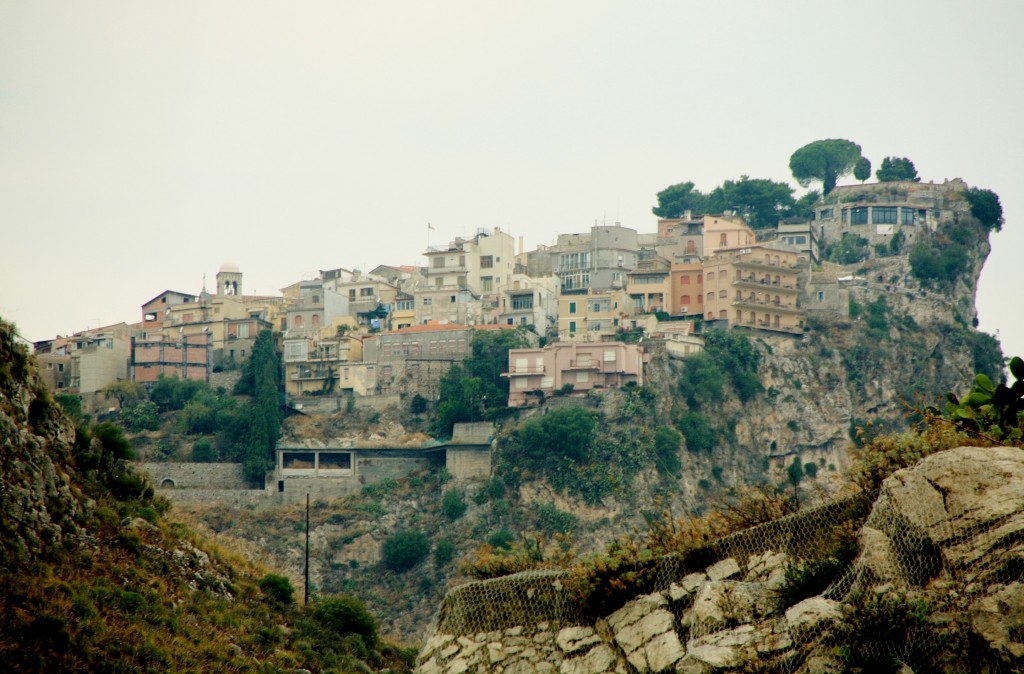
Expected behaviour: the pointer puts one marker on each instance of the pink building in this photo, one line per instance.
(584, 365)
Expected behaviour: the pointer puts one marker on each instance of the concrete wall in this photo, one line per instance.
(465, 463)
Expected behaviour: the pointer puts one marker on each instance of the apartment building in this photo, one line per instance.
(315, 365)
(463, 281)
(530, 301)
(183, 357)
(649, 286)
(754, 286)
(536, 373)
(593, 316)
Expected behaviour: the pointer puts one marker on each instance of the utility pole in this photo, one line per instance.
(305, 599)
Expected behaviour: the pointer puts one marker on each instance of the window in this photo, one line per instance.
(520, 302)
(685, 300)
(366, 292)
(883, 215)
(427, 301)
(691, 247)
(487, 284)
(723, 294)
(722, 274)
(907, 216)
(462, 260)
(686, 280)
(316, 299)
(572, 307)
(298, 322)
(316, 320)
(60, 367)
(723, 240)
(826, 214)
(439, 281)
(859, 215)
(451, 299)
(438, 262)
(582, 377)
(243, 331)
(486, 261)
(700, 299)
(406, 305)
(521, 382)
(609, 356)
(352, 294)
(572, 326)
(821, 295)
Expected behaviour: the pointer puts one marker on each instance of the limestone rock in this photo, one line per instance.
(727, 568)
(574, 639)
(999, 619)
(721, 603)
(808, 618)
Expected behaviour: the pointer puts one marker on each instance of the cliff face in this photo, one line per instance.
(41, 509)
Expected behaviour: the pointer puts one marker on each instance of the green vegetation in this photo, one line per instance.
(897, 168)
(825, 161)
(760, 202)
(476, 390)
(667, 442)
(697, 432)
(985, 207)
(850, 249)
(862, 169)
(405, 549)
(278, 588)
(453, 504)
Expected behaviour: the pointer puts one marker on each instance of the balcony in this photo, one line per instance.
(589, 364)
(529, 369)
(755, 263)
(746, 302)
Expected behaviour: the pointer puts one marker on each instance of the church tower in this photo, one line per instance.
(229, 279)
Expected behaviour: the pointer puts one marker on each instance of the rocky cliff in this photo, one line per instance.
(938, 585)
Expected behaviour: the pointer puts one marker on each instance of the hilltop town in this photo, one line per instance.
(385, 335)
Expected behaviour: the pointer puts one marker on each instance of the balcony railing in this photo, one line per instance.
(763, 264)
(529, 369)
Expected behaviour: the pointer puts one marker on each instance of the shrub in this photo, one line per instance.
(347, 615)
(405, 549)
(203, 452)
(277, 588)
(444, 552)
(697, 431)
(501, 539)
(453, 505)
(418, 405)
(667, 442)
(553, 520)
(142, 416)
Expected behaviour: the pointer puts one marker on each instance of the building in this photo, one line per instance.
(650, 285)
(86, 362)
(801, 235)
(537, 373)
(413, 359)
(531, 301)
(318, 365)
(687, 298)
(754, 286)
(597, 260)
(592, 317)
(184, 357)
(463, 281)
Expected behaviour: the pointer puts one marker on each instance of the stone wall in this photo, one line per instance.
(218, 476)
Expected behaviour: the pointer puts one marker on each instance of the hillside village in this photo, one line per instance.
(390, 333)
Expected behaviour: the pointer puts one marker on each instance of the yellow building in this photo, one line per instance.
(589, 317)
(753, 286)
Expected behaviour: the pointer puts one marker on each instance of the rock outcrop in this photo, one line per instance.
(942, 550)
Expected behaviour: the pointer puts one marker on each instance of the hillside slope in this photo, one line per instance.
(97, 579)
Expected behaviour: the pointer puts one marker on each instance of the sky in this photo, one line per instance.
(144, 144)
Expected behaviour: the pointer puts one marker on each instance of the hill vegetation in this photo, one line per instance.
(97, 577)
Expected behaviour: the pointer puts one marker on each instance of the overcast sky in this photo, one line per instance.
(144, 144)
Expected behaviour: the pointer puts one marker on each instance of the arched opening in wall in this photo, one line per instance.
(167, 483)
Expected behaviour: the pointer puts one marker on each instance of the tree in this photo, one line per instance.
(986, 208)
(125, 392)
(460, 399)
(862, 169)
(759, 201)
(897, 168)
(824, 160)
(489, 358)
(675, 200)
